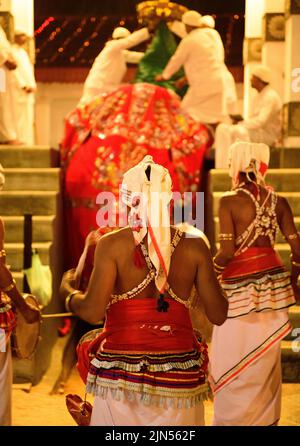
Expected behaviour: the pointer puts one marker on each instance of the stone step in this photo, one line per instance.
(292, 197)
(15, 254)
(30, 202)
(282, 180)
(290, 355)
(280, 238)
(42, 179)
(280, 157)
(294, 314)
(21, 156)
(42, 228)
(284, 157)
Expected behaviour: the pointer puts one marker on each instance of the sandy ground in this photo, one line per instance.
(36, 407)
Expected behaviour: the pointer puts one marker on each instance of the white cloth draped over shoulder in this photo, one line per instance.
(109, 67)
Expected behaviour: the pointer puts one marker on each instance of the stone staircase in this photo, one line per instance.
(286, 181)
(32, 186)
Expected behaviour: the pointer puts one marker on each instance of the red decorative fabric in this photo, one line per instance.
(136, 326)
(254, 259)
(112, 134)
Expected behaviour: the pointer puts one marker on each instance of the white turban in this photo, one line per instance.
(208, 20)
(2, 177)
(248, 157)
(149, 200)
(120, 33)
(192, 18)
(263, 73)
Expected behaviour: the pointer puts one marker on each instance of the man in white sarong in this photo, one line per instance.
(263, 125)
(8, 131)
(197, 53)
(245, 350)
(109, 67)
(24, 89)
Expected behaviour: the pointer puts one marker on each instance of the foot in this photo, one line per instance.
(58, 388)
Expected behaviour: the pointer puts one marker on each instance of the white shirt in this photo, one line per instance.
(109, 67)
(266, 114)
(198, 55)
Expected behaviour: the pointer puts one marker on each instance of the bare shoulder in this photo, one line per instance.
(228, 198)
(282, 205)
(114, 241)
(195, 245)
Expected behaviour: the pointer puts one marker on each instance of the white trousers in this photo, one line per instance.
(206, 107)
(110, 412)
(227, 134)
(8, 130)
(5, 387)
(25, 117)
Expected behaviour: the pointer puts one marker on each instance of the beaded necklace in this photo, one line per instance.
(264, 224)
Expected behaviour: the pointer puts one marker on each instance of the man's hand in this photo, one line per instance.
(180, 83)
(68, 283)
(10, 64)
(31, 314)
(28, 90)
(159, 78)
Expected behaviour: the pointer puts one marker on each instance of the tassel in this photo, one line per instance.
(162, 305)
(138, 258)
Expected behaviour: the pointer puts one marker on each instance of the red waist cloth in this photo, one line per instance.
(136, 326)
(253, 260)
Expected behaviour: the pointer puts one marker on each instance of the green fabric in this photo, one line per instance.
(161, 49)
(39, 279)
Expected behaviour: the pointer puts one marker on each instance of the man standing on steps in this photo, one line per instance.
(246, 350)
(8, 65)
(23, 90)
(264, 124)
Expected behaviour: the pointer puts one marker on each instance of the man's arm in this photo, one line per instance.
(133, 56)
(208, 288)
(227, 247)
(265, 112)
(132, 40)
(91, 306)
(177, 60)
(289, 230)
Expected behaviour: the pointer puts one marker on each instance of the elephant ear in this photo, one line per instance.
(159, 52)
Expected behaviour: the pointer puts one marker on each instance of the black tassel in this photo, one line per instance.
(162, 305)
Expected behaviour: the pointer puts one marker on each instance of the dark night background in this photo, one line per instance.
(70, 33)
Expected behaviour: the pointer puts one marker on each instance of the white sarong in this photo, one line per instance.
(246, 369)
(5, 387)
(112, 412)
